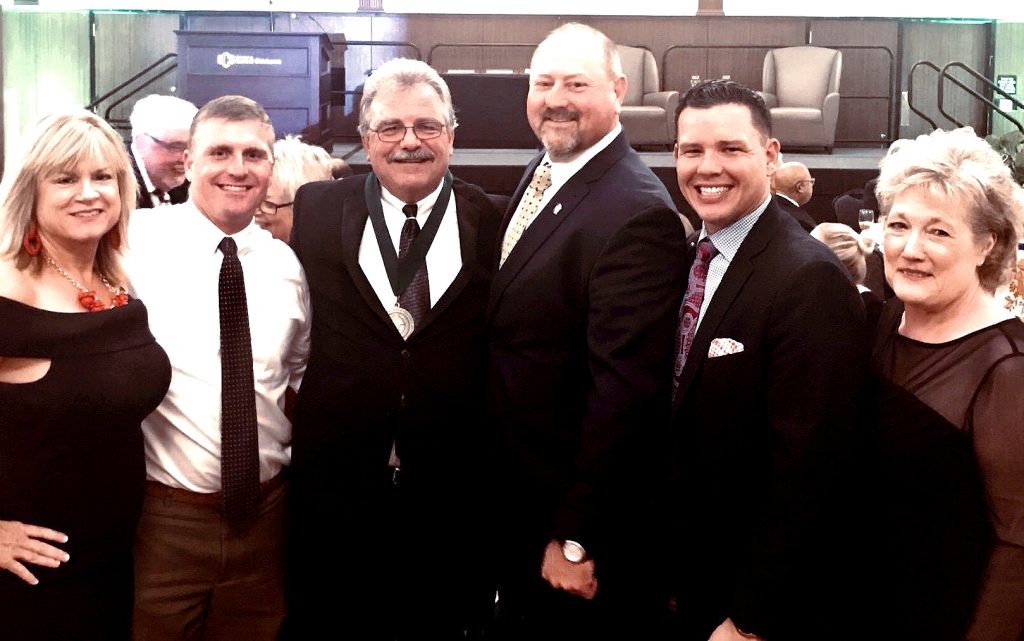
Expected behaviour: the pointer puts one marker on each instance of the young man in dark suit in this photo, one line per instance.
(582, 306)
(390, 452)
(768, 367)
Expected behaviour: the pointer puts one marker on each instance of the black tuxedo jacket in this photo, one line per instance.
(760, 435)
(798, 213)
(143, 199)
(582, 319)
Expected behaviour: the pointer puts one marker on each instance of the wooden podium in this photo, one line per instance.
(288, 73)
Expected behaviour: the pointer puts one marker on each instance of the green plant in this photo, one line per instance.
(1011, 147)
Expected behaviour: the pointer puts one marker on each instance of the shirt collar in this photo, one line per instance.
(728, 239)
(423, 206)
(782, 195)
(562, 171)
(208, 235)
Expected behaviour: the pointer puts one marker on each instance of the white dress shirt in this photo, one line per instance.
(444, 258)
(174, 268)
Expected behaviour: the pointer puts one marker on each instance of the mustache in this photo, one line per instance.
(561, 113)
(405, 155)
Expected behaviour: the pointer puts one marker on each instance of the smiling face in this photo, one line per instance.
(574, 100)
(409, 168)
(78, 206)
(229, 164)
(931, 254)
(723, 163)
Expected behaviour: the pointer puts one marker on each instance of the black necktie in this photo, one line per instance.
(416, 297)
(240, 463)
(159, 197)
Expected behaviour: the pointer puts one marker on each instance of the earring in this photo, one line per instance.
(32, 244)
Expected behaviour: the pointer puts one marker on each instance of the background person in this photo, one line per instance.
(951, 361)
(852, 249)
(74, 385)
(295, 164)
(160, 126)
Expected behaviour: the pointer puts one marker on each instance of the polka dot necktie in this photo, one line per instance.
(240, 463)
(527, 209)
(416, 297)
(690, 310)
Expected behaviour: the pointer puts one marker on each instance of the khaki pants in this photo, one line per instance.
(199, 577)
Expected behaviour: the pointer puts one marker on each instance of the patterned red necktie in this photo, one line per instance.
(239, 455)
(416, 297)
(689, 312)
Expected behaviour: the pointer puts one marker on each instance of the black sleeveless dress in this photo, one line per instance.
(71, 459)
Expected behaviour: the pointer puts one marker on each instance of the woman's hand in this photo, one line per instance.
(22, 543)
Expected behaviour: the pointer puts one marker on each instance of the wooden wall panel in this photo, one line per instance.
(45, 67)
(1009, 60)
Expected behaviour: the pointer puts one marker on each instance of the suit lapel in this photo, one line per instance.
(467, 216)
(559, 209)
(353, 225)
(735, 279)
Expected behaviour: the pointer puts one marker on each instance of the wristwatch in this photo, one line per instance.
(573, 551)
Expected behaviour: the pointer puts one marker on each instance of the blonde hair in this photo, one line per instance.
(959, 165)
(851, 248)
(297, 163)
(59, 143)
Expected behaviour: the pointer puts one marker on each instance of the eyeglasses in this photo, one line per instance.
(270, 208)
(394, 132)
(176, 147)
(806, 180)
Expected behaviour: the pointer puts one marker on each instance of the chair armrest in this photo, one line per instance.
(665, 99)
(770, 100)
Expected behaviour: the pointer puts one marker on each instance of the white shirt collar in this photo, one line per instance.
(561, 172)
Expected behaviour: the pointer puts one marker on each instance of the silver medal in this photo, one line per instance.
(403, 321)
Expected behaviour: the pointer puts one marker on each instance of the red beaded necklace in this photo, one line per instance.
(87, 297)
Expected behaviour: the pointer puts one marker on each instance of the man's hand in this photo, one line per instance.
(562, 574)
(727, 632)
(22, 543)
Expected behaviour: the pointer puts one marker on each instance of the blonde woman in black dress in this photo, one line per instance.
(79, 370)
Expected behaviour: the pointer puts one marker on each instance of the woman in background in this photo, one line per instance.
(79, 370)
(295, 164)
(852, 249)
(954, 357)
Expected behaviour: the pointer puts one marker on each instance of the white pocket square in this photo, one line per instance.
(724, 347)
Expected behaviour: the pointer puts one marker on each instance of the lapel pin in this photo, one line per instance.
(557, 209)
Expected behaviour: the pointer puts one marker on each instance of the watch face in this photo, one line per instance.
(573, 552)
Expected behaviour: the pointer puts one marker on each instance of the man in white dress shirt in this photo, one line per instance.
(203, 571)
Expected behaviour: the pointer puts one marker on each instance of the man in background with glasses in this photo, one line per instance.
(793, 187)
(390, 450)
(160, 127)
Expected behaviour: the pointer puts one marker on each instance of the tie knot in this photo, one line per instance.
(228, 246)
(409, 211)
(706, 250)
(542, 177)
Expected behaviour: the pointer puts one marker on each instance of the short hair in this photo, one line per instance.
(610, 52)
(156, 112)
(711, 93)
(850, 247)
(404, 73)
(232, 109)
(959, 164)
(297, 163)
(58, 143)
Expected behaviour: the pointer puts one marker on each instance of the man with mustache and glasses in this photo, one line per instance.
(591, 272)
(390, 455)
(160, 127)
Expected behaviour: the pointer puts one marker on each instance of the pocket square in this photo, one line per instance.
(724, 347)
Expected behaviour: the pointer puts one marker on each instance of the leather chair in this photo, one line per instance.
(801, 89)
(648, 115)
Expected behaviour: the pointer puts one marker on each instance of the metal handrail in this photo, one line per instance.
(95, 103)
(910, 90)
(892, 71)
(945, 75)
(375, 43)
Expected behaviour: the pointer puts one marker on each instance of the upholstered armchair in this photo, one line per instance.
(648, 114)
(801, 90)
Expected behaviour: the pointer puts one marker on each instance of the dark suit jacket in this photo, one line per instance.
(759, 435)
(365, 388)
(143, 199)
(796, 211)
(582, 318)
